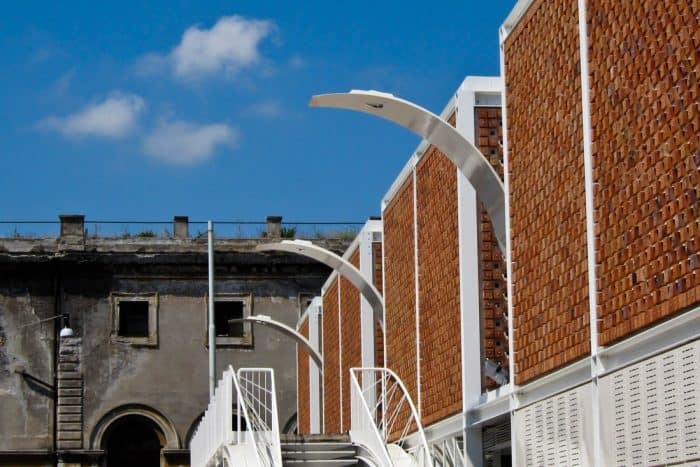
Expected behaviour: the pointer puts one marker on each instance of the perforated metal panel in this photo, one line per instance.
(555, 431)
(650, 411)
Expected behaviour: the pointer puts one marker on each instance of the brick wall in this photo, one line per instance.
(494, 325)
(547, 201)
(303, 412)
(644, 59)
(331, 360)
(399, 300)
(378, 283)
(438, 270)
(351, 336)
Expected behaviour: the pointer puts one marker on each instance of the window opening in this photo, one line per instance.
(133, 319)
(225, 311)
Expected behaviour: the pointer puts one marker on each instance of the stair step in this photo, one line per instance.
(320, 463)
(317, 447)
(316, 438)
(318, 455)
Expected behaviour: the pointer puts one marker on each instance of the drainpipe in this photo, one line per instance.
(212, 329)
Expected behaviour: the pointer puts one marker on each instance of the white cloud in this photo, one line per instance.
(230, 46)
(264, 109)
(114, 117)
(296, 62)
(185, 143)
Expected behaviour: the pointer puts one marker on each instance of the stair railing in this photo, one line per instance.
(253, 390)
(384, 419)
(257, 400)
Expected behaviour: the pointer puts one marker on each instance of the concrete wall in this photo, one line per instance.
(170, 378)
(26, 419)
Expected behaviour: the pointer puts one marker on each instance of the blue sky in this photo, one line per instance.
(142, 111)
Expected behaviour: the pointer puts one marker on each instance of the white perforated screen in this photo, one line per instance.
(555, 431)
(650, 410)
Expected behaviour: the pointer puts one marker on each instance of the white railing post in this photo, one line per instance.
(256, 405)
(391, 430)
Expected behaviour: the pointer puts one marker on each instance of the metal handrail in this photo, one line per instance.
(393, 415)
(258, 401)
(256, 404)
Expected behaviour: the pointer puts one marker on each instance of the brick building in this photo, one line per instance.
(593, 307)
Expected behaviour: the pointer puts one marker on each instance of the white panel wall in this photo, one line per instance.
(650, 411)
(556, 431)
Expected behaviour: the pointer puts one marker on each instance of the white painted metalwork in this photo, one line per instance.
(448, 452)
(288, 331)
(556, 431)
(467, 157)
(257, 398)
(342, 266)
(252, 392)
(650, 411)
(384, 418)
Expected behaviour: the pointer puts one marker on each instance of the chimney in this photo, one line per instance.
(274, 226)
(72, 231)
(181, 227)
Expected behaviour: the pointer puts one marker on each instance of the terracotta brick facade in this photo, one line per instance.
(494, 325)
(378, 283)
(303, 412)
(350, 336)
(439, 291)
(644, 59)
(331, 360)
(399, 289)
(547, 199)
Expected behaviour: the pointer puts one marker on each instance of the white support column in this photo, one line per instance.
(314, 370)
(366, 312)
(590, 228)
(470, 293)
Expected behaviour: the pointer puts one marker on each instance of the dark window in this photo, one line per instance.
(225, 311)
(133, 318)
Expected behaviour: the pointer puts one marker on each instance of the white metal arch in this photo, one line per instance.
(467, 157)
(287, 331)
(343, 267)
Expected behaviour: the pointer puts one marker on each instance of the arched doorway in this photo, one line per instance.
(133, 440)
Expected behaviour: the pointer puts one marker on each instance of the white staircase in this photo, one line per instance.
(318, 451)
(384, 421)
(217, 442)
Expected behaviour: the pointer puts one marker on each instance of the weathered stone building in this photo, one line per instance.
(132, 380)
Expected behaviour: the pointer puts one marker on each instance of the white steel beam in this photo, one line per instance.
(286, 330)
(343, 267)
(467, 157)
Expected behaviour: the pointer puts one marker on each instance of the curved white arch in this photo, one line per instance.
(467, 157)
(287, 331)
(343, 267)
(167, 428)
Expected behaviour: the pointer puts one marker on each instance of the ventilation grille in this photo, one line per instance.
(650, 411)
(551, 432)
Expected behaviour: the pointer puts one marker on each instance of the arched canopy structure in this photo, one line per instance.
(467, 157)
(286, 330)
(343, 267)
